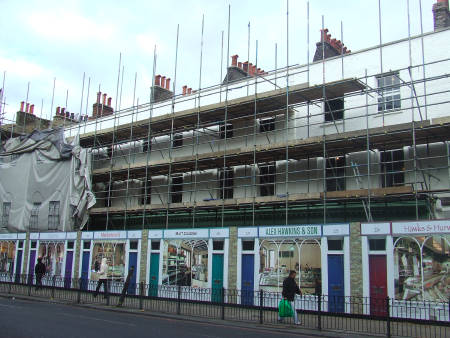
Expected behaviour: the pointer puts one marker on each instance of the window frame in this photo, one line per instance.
(54, 218)
(34, 216)
(6, 211)
(389, 92)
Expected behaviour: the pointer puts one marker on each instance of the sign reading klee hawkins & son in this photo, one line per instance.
(291, 231)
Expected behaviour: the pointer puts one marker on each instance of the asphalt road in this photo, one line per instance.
(20, 319)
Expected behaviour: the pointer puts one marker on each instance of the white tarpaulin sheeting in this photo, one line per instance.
(45, 183)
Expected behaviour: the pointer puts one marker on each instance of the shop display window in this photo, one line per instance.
(7, 256)
(52, 254)
(279, 257)
(422, 268)
(185, 263)
(115, 254)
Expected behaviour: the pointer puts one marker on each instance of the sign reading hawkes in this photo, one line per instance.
(291, 231)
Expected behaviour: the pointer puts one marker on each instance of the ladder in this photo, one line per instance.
(356, 173)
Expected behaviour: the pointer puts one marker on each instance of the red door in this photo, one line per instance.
(378, 285)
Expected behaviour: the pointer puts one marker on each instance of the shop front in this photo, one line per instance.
(318, 254)
(409, 262)
(193, 259)
(120, 248)
(11, 256)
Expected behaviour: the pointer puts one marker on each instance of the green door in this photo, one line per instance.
(217, 278)
(154, 274)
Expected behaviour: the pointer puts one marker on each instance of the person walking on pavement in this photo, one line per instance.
(290, 289)
(39, 271)
(103, 278)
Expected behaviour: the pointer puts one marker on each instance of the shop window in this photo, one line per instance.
(266, 125)
(7, 256)
(335, 244)
(248, 245)
(228, 133)
(5, 214)
(20, 244)
(388, 92)
(177, 189)
(392, 168)
(226, 183)
(177, 140)
(377, 244)
(53, 257)
(33, 244)
(155, 245)
(218, 245)
(267, 175)
(53, 215)
(86, 245)
(133, 245)
(335, 173)
(334, 110)
(70, 245)
(114, 252)
(146, 192)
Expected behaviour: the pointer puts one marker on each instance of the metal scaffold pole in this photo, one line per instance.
(286, 127)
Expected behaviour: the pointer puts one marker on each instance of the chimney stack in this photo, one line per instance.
(32, 109)
(99, 95)
(158, 80)
(27, 109)
(22, 104)
(189, 91)
(63, 111)
(441, 14)
(240, 65)
(104, 99)
(168, 83)
(163, 82)
(184, 89)
(245, 66)
(58, 110)
(234, 60)
(109, 101)
(250, 69)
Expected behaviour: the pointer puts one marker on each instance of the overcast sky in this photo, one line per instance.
(43, 40)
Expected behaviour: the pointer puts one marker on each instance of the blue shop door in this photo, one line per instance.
(31, 267)
(132, 261)
(336, 293)
(154, 275)
(85, 270)
(18, 266)
(248, 279)
(217, 278)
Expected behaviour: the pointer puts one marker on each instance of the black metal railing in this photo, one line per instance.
(383, 316)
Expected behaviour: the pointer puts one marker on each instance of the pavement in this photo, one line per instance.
(23, 316)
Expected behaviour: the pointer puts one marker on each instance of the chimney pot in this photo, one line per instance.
(63, 111)
(163, 81)
(157, 80)
(22, 105)
(27, 109)
(104, 99)
(240, 65)
(72, 116)
(109, 101)
(245, 66)
(58, 109)
(32, 109)
(234, 60)
(168, 83)
(189, 91)
(99, 95)
(184, 90)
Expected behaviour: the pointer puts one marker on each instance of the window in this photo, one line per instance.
(33, 244)
(177, 141)
(177, 189)
(334, 110)
(53, 215)
(377, 244)
(229, 133)
(218, 245)
(86, 245)
(226, 183)
(5, 214)
(133, 245)
(335, 173)
(267, 179)
(146, 192)
(388, 92)
(335, 244)
(70, 245)
(392, 173)
(155, 245)
(34, 217)
(267, 125)
(248, 245)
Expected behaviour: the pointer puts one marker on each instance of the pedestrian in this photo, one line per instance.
(290, 289)
(103, 278)
(39, 271)
(126, 285)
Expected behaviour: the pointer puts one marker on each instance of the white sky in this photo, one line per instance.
(43, 40)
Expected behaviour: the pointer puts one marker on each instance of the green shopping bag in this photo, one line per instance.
(285, 308)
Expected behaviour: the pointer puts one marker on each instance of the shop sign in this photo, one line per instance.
(22, 235)
(291, 231)
(219, 233)
(423, 227)
(155, 234)
(135, 234)
(106, 235)
(71, 235)
(186, 233)
(248, 232)
(53, 235)
(336, 230)
(375, 228)
(34, 235)
(8, 236)
(87, 235)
